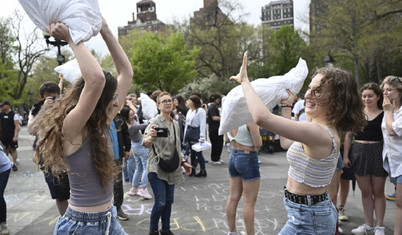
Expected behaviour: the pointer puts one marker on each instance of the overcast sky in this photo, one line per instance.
(119, 12)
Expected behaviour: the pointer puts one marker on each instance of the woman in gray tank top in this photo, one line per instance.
(73, 136)
(333, 105)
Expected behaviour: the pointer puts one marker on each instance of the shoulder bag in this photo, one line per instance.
(169, 164)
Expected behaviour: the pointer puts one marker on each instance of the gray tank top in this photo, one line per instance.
(85, 186)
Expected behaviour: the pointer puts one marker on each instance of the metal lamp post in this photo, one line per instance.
(329, 60)
(57, 43)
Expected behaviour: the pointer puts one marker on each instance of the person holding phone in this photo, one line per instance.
(164, 145)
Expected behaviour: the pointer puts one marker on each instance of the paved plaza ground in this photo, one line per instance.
(199, 206)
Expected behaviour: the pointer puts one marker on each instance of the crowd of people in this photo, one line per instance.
(97, 130)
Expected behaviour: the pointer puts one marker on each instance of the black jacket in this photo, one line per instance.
(123, 136)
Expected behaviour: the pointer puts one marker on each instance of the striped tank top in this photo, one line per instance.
(312, 172)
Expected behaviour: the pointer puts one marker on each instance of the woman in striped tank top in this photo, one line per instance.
(333, 104)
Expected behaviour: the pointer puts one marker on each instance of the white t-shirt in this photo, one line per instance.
(298, 109)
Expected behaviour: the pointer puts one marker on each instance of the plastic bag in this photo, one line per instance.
(71, 70)
(198, 147)
(149, 108)
(271, 91)
(83, 17)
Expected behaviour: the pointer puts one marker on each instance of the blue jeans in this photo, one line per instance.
(76, 222)
(196, 157)
(319, 218)
(141, 158)
(130, 167)
(125, 172)
(244, 165)
(164, 194)
(3, 206)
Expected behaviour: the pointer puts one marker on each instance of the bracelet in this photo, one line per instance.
(287, 106)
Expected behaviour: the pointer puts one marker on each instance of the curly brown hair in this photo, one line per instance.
(343, 100)
(49, 152)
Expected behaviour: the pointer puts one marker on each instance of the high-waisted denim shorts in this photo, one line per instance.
(319, 218)
(76, 222)
(244, 165)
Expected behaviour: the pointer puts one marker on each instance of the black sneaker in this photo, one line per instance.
(121, 215)
(14, 167)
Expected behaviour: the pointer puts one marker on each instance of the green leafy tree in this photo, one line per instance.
(223, 38)
(7, 49)
(356, 30)
(163, 63)
(21, 53)
(283, 49)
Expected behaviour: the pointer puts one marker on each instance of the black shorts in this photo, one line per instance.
(59, 188)
(8, 142)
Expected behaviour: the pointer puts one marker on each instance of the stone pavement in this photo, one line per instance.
(199, 206)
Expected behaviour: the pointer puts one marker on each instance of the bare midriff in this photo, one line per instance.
(91, 209)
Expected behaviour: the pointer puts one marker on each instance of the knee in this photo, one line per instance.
(235, 198)
(366, 193)
(160, 204)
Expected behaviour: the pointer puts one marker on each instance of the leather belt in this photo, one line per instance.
(305, 199)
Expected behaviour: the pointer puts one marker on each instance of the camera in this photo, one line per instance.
(161, 131)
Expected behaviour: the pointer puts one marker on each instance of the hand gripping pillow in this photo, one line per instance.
(71, 70)
(83, 17)
(271, 91)
(149, 108)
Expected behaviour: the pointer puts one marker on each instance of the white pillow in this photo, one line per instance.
(271, 91)
(83, 17)
(149, 109)
(71, 70)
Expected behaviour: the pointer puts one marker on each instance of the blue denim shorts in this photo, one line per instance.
(244, 165)
(339, 164)
(76, 222)
(396, 180)
(319, 218)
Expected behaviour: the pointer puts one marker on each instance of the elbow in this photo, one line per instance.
(259, 119)
(284, 146)
(98, 82)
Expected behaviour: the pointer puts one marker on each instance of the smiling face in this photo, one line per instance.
(314, 98)
(114, 103)
(370, 98)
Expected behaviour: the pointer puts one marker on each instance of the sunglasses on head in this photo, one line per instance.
(393, 79)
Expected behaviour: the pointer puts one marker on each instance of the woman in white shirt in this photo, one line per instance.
(392, 132)
(195, 119)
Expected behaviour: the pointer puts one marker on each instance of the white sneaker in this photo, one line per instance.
(341, 214)
(216, 163)
(144, 193)
(132, 192)
(362, 229)
(379, 230)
